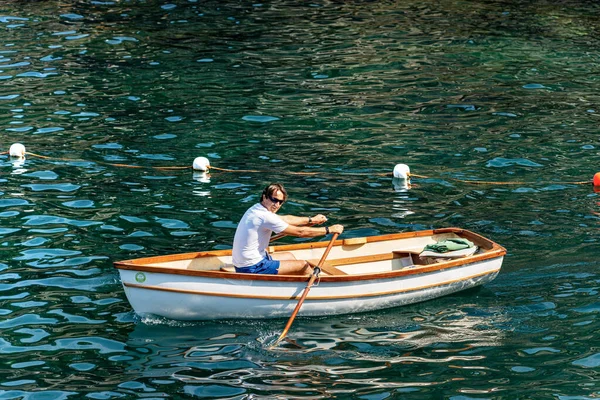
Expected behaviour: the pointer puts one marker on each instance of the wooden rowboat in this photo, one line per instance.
(360, 274)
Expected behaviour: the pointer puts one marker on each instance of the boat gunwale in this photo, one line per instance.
(493, 251)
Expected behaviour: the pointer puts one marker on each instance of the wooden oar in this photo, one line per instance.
(316, 271)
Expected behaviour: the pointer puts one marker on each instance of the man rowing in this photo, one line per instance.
(254, 232)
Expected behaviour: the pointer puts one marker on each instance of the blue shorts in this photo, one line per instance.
(265, 266)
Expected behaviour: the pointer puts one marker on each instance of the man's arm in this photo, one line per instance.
(303, 221)
(306, 231)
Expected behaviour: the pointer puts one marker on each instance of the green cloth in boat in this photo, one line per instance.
(449, 245)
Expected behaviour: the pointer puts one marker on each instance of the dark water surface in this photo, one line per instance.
(462, 92)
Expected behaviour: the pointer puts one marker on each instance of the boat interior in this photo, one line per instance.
(351, 256)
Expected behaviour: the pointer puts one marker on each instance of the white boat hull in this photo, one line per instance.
(279, 301)
(211, 294)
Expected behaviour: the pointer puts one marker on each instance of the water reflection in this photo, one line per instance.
(202, 177)
(401, 185)
(17, 164)
(402, 199)
(332, 353)
(409, 331)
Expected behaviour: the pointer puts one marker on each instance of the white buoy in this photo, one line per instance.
(201, 164)
(402, 171)
(17, 150)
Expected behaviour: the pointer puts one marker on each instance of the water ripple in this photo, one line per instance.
(61, 187)
(99, 344)
(36, 220)
(90, 284)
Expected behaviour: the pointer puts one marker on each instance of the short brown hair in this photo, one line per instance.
(272, 188)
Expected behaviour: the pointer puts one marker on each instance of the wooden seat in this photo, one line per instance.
(326, 267)
(403, 253)
(330, 266)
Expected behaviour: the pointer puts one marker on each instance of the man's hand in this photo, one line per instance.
(336, 229)
(318, 219)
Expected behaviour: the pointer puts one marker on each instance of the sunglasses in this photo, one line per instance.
(274, 200)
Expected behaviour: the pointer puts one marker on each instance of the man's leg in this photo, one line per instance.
(294, 267)
(283, 256)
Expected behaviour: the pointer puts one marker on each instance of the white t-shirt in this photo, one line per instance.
(253, 233)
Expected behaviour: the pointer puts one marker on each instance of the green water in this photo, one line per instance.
(462, 92)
